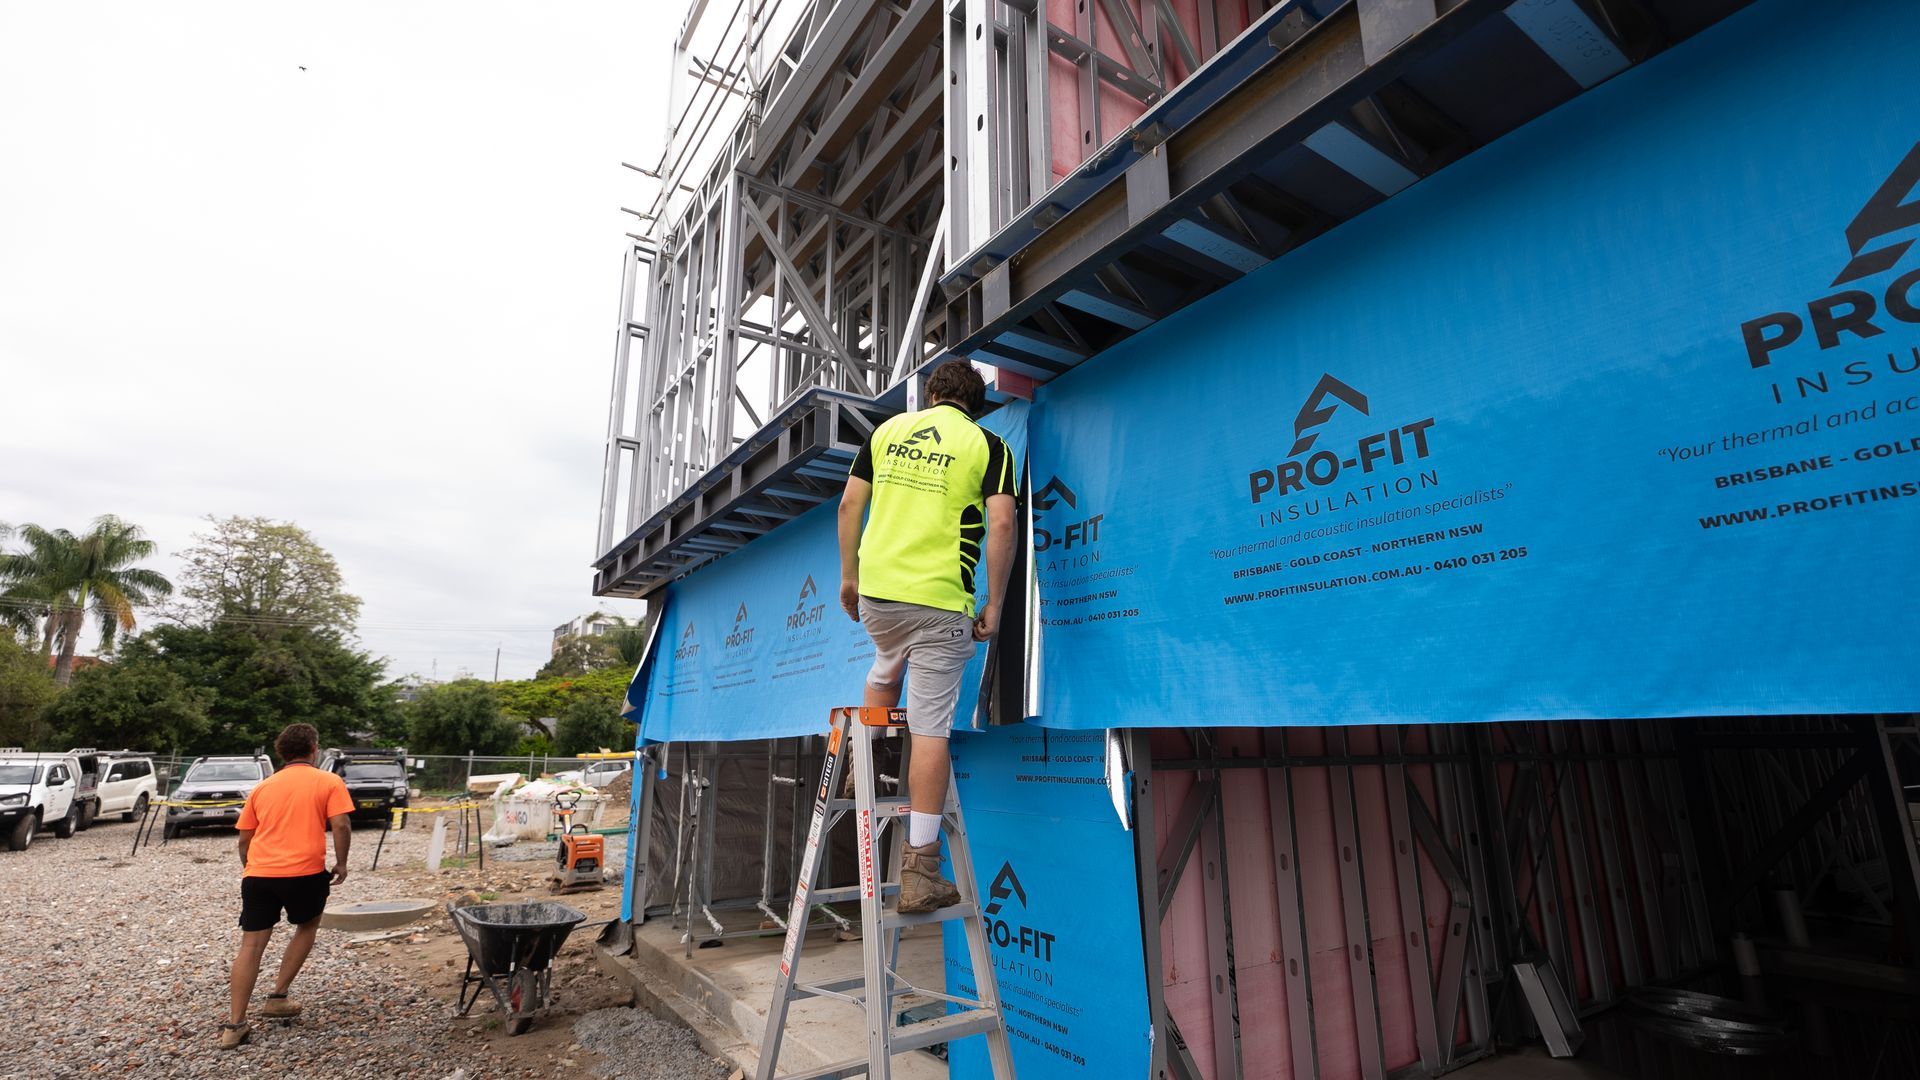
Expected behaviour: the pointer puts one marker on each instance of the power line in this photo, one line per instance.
(265, 620)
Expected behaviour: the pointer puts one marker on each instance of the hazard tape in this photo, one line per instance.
(436, 809)
(399, 812)
(199, 804)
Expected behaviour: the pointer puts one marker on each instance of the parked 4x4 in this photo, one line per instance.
(127, 784)
(226, 779)
(376, 778)
(40, 789)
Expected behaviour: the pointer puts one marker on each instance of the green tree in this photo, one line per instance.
(263, 680)
(73, 575)
(25, 689)
(533, 744)
(458, 718)
(589, 724)
(137, 702)
(575, 655)
(540, 700)
(264, 574)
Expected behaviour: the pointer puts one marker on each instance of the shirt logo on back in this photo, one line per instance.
(916, 448)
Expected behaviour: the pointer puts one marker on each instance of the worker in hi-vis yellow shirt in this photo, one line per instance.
(940, 489)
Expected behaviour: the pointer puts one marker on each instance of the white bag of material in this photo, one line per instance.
(527, 814)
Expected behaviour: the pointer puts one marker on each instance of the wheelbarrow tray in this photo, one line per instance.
(510, 950)
(503, 937)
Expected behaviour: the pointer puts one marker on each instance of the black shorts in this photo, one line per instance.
(261, 899)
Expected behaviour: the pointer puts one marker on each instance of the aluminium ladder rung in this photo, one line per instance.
(957, 1025)
(894, 807)
(893, 920)
(912, 1037)
(831, 986)
(846, 893)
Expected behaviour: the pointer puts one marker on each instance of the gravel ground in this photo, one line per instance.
(672, 1052)
(117, 964)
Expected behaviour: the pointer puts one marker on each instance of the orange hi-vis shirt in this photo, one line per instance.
(287, 814)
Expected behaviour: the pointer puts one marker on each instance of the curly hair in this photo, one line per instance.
(299, 741)
(957, 381)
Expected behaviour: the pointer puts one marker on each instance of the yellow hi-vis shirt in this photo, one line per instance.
(931, 472)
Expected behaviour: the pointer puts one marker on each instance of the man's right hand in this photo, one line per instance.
(339, 873)
(987, 622)
(850, 598)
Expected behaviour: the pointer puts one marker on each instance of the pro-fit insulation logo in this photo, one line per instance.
(809, 610)
(1312, 463)
(689, 646)
(742, 632)
(1058, 522)
(922, 446)
(1025, 948)
(1857, 314)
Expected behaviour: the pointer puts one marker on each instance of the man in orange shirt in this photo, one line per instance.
(283, 848)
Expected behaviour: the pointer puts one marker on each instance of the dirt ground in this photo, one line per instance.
(119, 959)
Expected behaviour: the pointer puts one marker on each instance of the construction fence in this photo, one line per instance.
(429, 774)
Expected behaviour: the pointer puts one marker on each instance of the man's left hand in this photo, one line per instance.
(986, 623)
(850, 598)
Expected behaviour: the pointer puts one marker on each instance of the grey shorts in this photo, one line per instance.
(932, 645)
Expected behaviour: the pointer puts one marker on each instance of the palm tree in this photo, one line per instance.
(627, 641)
(72, 575)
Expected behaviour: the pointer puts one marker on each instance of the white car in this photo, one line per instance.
(601, 773)
(37, 789)
(127, 785)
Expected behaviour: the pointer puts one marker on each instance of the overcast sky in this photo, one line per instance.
(375, 297)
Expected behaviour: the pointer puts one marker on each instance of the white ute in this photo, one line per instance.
(37, 790)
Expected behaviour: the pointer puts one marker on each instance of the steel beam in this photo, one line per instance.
(820, 57)
(1353, 901)
(1222, 982)
(1296, 971)
(1146, 875)
(1817, 806)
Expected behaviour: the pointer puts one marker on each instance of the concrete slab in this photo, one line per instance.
(723, 994)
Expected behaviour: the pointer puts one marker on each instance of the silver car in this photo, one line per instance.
(216, 780)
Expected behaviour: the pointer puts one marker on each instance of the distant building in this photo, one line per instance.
(410, 686)
(592, 625)
(80, 663)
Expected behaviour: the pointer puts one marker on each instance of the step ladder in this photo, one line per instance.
(852, 734)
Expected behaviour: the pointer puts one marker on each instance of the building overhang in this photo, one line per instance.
(793, 464)
(1299, 125)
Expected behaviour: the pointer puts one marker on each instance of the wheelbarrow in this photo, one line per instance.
(510, 950)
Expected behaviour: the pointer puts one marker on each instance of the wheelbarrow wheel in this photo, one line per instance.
(525, 998)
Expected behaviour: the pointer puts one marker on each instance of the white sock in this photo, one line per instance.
(922, 829)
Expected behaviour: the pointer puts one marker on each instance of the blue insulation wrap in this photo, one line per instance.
(1059, 903)
(1581, 426)
(755, 646)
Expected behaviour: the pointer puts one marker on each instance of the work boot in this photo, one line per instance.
(232, 1035)
(922, 889)
(280, 1008)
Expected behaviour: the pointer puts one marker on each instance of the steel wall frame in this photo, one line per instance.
(1456, 851)
(1812, 809)
(789, 265)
